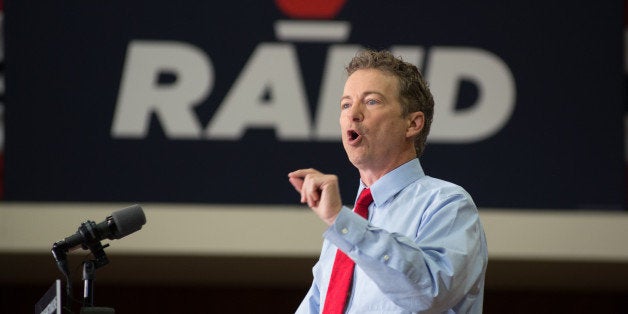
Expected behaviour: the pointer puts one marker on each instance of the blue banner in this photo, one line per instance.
(193, 101)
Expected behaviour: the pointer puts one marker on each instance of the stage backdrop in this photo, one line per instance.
(215, 102)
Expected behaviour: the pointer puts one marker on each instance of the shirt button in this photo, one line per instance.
(386, 257)
(344, 231)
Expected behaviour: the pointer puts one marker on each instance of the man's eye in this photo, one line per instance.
(345, 106)
(372, 102)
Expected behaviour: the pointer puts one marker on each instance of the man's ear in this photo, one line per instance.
(416, 121)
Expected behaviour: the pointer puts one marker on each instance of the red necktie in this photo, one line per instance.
(342, 273)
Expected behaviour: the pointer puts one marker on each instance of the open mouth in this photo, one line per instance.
(353, 135)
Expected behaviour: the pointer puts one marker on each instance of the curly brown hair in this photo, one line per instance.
(414, 93)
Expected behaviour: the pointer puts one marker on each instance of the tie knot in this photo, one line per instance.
(362, 205)
(365, 197)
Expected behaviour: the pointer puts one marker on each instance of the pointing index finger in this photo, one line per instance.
(301, 173)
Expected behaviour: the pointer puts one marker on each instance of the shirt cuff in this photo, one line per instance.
(347, 231)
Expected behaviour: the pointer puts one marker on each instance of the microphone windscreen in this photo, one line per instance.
(128, 220)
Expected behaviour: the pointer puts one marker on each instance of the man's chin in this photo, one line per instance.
(358, 160)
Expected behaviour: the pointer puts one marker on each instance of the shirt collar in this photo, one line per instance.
(394, 181)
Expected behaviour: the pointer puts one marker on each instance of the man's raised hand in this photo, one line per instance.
(320, 191)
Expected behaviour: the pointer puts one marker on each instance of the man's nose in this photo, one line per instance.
(356, 112)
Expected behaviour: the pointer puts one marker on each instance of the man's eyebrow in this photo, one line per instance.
(372, 92)
(364, 95)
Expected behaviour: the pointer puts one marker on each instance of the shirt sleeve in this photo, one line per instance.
(432, 271)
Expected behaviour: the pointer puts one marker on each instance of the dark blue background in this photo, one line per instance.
(562, 147)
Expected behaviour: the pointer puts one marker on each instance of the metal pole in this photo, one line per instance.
(88, 283)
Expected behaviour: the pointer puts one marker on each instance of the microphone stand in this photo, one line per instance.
(88, 236)
(88, 283)
(89, 274)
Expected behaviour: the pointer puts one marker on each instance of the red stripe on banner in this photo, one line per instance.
(310, 9)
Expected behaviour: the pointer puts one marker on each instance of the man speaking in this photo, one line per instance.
(412, 243)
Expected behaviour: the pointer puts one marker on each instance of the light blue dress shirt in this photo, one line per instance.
(422, 250)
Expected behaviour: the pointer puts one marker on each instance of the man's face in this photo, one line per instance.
(374, 133)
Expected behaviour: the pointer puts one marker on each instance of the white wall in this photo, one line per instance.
(293, 231)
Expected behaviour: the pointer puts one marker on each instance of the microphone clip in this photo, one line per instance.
(89, 231)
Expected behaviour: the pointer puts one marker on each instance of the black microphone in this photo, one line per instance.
(120, 224)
